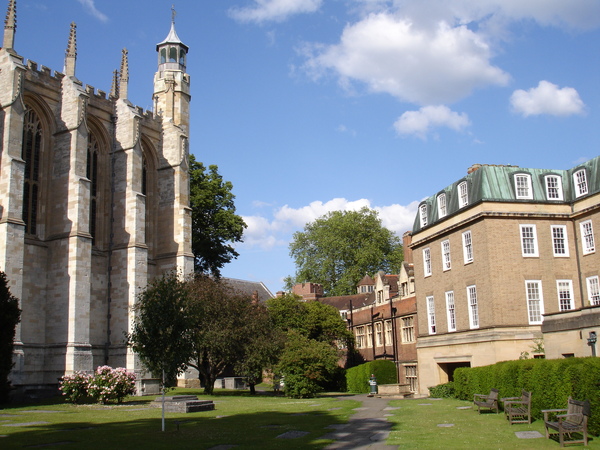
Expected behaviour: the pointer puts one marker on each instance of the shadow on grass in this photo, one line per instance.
(135, 424)
(256, 430)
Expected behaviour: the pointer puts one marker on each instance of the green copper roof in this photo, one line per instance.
(497, 184)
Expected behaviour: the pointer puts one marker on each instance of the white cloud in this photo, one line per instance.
(267, 233)
(491, 14)
(547, 98)
(392, 55)
(273, 10)
(422, 122)
(91, 8)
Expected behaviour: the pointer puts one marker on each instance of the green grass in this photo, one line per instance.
(416, 426)
(250, 422)
(254, 423)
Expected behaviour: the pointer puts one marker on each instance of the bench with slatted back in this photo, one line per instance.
(574, 420)
(518, 409)
(489, 401)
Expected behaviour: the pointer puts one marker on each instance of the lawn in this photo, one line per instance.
(254, 423)
(238, 418)
(453, 424)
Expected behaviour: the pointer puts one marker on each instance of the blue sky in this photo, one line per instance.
(309, 106)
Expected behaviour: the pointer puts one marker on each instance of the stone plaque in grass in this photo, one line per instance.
(294, 434)
(528, 434)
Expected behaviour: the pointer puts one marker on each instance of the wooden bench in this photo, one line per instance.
(489, 401)
(518, 409)
(574, 421)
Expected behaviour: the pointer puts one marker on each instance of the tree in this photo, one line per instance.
(10, 316)
(214, 222)
(262, 347)
(227, 327)
(314, 320)
(161, 335)
(307, 365)
(314, 332)
(338, 249)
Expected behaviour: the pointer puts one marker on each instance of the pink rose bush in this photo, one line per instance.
(105, 385)
(74, 386)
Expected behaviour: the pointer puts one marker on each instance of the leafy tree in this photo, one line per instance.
(338, 249)
(10, 316)
(262, 347)
(313, 331)
(307, 365)
(314, 320)
(215, 225)
(160, 333)
(223, 323)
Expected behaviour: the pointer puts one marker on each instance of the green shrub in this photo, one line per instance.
(357, 378)
(10, 316)
(442, 390)
(551, 382)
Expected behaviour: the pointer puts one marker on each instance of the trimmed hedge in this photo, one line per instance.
(551, 382)
(357, 378)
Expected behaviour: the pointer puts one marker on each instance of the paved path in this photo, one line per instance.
(368, 428)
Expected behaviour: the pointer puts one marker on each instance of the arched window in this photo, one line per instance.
(182, 57)
(173, 54)
(31, 154)
(163, 55)
(144, 176)
(92, 175)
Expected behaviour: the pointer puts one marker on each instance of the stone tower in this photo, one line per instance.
(94, 203)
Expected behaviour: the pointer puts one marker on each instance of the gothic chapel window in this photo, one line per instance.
(92, 175)
(31, 154)
(144, 176)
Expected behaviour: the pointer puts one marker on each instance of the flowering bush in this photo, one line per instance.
(111, 384)
(75, 386)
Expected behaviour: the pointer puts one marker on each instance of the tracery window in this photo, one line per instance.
(31, 154)
(92, 175)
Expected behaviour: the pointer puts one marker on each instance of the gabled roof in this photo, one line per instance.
(343, 302)
(250, 288)
(497, 184)
(366, 281)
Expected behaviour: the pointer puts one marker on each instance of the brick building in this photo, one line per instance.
(503, 257)
(94, 202)
(382, 317)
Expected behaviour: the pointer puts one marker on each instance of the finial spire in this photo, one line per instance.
(114, 89)
(124, 84)
(71, 52)
(10, 25)
(173, 14)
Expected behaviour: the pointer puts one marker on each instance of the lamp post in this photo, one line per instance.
(592, 342)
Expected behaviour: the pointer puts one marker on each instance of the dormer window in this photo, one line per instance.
(441, 201)
(423, 215)
(553, 187)
(463, 195)
(580, 181)
(523, 188)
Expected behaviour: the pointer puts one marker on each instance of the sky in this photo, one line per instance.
(310, 106)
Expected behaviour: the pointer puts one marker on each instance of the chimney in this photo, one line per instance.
(473, 168)
(406, 241)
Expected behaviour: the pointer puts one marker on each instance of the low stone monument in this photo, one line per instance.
(184, 404)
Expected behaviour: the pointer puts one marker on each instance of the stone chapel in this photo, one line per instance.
(94, 203)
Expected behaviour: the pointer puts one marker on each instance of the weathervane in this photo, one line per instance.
(173, 14)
